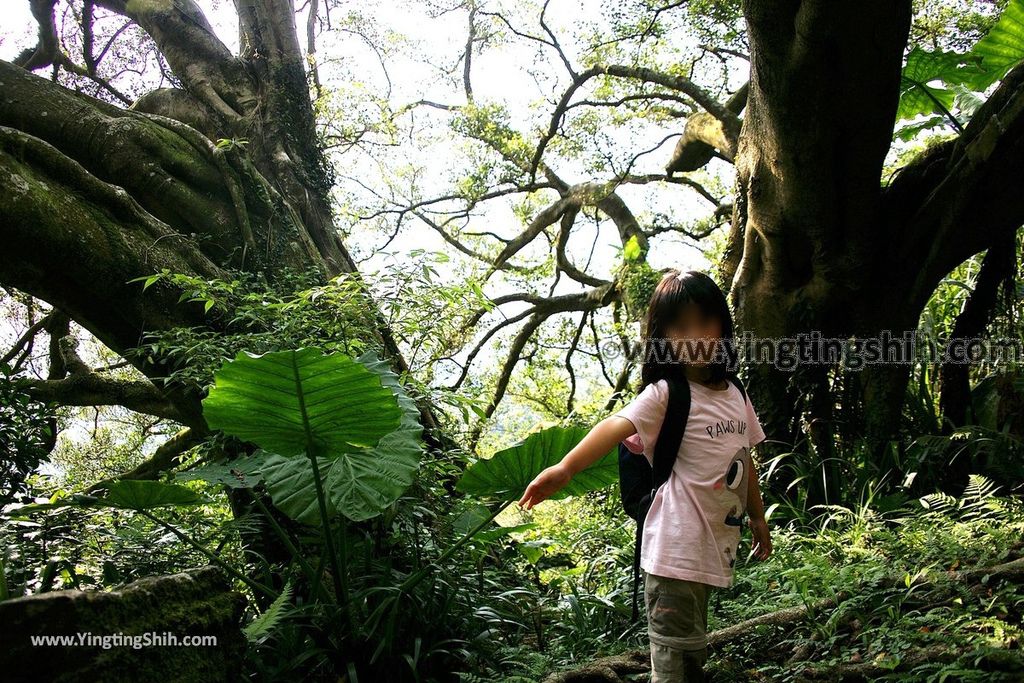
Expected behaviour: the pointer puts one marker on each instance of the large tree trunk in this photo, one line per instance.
(825, 246)
(94, 195)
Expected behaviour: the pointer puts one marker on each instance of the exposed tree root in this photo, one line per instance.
(607, 669)
(613, 669)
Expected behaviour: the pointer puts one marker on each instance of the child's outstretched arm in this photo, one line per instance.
(598, 441)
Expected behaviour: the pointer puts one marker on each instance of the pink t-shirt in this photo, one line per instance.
(685, 535)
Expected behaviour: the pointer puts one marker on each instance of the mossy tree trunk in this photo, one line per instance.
(94, 195)
(819, 241)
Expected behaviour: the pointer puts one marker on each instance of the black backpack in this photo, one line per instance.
(639, 481)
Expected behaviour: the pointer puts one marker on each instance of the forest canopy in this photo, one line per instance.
(312, 291)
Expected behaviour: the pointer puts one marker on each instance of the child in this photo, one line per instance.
(691, 529)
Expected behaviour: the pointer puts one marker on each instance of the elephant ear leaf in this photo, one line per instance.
(367, 482)
(926, 77)
(507, 473)
(301, 401)
(361, 476)
(1002, 48)
(932, 80)
(232, 475)
(131, 494)
(126, 494)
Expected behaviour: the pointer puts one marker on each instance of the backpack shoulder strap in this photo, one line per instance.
(739, 385)
(670, 436)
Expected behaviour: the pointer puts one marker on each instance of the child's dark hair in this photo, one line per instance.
(670, 297)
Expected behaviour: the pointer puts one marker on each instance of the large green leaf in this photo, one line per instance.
(298, 401)
(1003, 47)
(126, 494)
(131, 494)
(358, 483)
(507, 473)
(291, 486)
(364, 484)
(911, 130)
(931, 81)
(919, 93)
(229, 475)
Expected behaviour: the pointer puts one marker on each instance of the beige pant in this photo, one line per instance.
(677, 622)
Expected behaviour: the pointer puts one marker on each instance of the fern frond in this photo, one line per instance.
(261, 626)
(979, 499)
(938, 502)
(979, 487)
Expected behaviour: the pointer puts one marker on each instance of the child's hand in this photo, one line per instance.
(545, 484)
(761, 543)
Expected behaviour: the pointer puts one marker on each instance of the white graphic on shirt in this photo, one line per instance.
(733, 490)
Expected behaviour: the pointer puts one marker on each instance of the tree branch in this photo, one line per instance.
(158, 169)
(544, 309)
(960, 183)
(562, 258)
(195, 54)
(704, 135)
(166, 457)
(83, 387)
(26, 339)
(730, 123)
